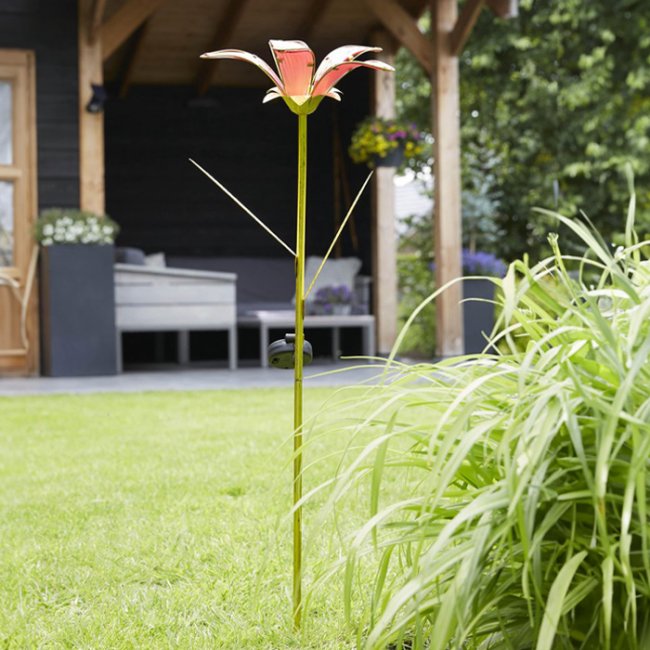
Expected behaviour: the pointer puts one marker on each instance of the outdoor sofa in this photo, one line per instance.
(153, 297)
(174, 293)
(265, 296)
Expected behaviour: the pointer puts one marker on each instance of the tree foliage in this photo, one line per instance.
(554, 103)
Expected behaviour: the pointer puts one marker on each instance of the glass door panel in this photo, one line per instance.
(6, 223)
(18, 207)
(6, 124)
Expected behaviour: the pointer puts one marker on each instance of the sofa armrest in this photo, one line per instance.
(136, 271)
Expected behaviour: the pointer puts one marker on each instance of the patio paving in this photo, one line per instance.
(192, 378)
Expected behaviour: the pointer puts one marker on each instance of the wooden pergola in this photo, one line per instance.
(157, 42)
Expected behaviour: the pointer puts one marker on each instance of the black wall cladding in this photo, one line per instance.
(49, 28)
(160, 200)
(163, 203)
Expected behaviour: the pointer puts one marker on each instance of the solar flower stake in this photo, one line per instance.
(302, 89)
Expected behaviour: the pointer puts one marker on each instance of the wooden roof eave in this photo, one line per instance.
(124, 22)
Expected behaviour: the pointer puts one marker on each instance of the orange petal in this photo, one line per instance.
(295, 63)
(324, 84)
(241, 55)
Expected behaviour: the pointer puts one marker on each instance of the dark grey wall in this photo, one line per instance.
(163, 203)
(49, 27)
(159, 199)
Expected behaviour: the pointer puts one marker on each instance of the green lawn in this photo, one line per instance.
(154, 521)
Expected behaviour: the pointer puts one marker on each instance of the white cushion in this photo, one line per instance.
(335, 273)
(155, 261)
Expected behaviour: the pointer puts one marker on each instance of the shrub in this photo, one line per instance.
(415, 280)
(523, 517)
(71, 226)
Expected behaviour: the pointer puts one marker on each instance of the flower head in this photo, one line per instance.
(68, 226)
(482, 263)
(334, 295)
(297, 82)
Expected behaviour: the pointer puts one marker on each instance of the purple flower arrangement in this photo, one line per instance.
(334, 295)
(332, 299)
(480, 263)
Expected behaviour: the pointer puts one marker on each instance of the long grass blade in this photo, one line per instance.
(555, 601)
(244, 208)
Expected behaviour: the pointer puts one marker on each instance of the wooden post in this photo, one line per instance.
(447, 194)
(384, 237)
(91, 125)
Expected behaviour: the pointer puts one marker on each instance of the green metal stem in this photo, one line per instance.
(298, 365)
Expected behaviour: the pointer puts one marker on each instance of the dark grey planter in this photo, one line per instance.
(394, 158)
(78, 310)
(478, 316)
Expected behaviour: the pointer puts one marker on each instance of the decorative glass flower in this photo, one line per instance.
(296, 82)
(302, 90)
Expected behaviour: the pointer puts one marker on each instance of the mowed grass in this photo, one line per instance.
(156, 520)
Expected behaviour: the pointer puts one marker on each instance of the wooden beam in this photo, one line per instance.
(464, 25)
(405, 29)
(117, 29)
(91, 125)
(229, 20)
(311, 19)
(384, 236)
(134, 55)
(96, 17)
(447, 196)
(504, 8)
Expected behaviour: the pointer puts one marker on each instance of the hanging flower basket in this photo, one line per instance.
(394, 158)
(379, 142)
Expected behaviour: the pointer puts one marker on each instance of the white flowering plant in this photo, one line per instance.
(71, 226)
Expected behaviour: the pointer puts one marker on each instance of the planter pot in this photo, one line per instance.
(342, 310)
(78, 310)
(478, 316)
(329, 310)
(394, 158)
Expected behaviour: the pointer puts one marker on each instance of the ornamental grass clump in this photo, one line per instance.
(523, 520)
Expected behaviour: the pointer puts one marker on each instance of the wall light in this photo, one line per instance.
(98, 99)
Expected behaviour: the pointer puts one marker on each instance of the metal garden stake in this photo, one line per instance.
(302, 89)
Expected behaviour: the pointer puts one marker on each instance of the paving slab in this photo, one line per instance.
(192, 378)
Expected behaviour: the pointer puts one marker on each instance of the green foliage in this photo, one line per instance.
(71, 226)
(415, 285)
(415, 264)
(559, 99)
(523, 517)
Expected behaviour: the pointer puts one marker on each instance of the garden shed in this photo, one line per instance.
(165, 105)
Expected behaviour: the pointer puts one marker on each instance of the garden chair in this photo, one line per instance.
(22, 293)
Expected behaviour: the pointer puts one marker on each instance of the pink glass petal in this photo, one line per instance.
(343, 54)
(272, 93)
(334, 93)
(295, 63)
(325, 83)
(241, 55)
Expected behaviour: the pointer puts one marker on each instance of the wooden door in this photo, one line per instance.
(18, 205)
